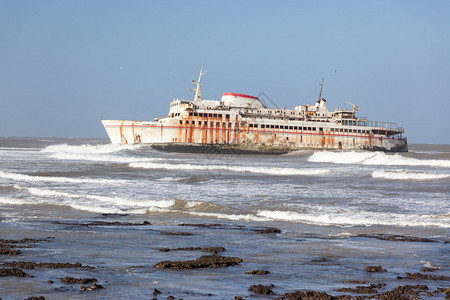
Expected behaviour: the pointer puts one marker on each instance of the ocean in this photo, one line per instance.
(313, 219)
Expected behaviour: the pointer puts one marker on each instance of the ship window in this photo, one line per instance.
(359, 131)
(181, 122)
(262, 125)
(272, 126)
(227, 116)
(195, 114)
(345, 130)
(200, 114)
(211, 123)
(193, 122)
(256, 125)
(314, 128)
(190, 114)
(276, 126)
(217, 123)
(295, 128)
(332, 129)
(309, 128)
(223, 124)
(210, 115)
(219, 115)
(187, 122)
(320, 129)
(215, 115)
(290, 127)
(250, 125)
(199, 122)
(340, 130)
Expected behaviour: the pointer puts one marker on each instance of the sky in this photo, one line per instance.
(65, 65)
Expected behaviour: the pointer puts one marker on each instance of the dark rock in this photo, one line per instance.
(156, 292)
(170, 298)
(355, 281)
(238, 298)
(402, 292)
(423, 276)
(262, 289)
(9, 252)
(397, 238)
(213, 250)
(363, 289)
(13, 272)
(310, 295)
(50, 281)
(72, 280)
(428, 269)
(267, 230)
(203, 225)
(176, 233)
(323, 259)
(92, 287)
(373, 269)
(24, 241)
(257, 272)
(31, 265)
(35, 298)
(206, 261)
(102, 223)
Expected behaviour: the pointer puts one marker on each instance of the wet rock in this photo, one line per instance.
(238, 298)
(35, 298)
(31, 265)
(71, 280)
(267, 230)
(13, 272)
(103, 223)
(262, 289)
(373, 269)
(423, 276)
(397, 238)
(310, 295)
(9, 252)
(257, 272)
(50, 281)
(170, 298)
(181, 233)
(156, 292)
(24, 241)
(263, 230)
(371, 289)
(355, 281)
(206, 261)
(92, 287)
(213, 250)
(402, 292)
(428, 269)
(112, 215)
(322, 259)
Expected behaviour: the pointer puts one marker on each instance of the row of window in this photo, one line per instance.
(263, 126)
(208, 115)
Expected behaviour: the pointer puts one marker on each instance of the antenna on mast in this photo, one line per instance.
(198, 90)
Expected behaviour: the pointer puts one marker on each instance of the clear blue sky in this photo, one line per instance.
(60, 61)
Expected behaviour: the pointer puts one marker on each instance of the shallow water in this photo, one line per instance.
(320, 200)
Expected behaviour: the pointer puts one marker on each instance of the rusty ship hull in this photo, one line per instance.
(241, 123)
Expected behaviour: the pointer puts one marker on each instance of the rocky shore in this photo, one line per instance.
(409, 286)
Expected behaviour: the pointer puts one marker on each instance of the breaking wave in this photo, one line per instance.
(32, 178)
(405, 175)
(358, 218)
(374, 158)
(105, 153)
(125, 202)
(258, 170)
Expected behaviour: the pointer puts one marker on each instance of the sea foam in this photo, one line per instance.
(258, 170)
(374, 158)
(406, 175)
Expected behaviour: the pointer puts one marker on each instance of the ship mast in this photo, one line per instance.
(198, 90)
(321, 87)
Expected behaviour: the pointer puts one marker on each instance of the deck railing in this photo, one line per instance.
(373, 124)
